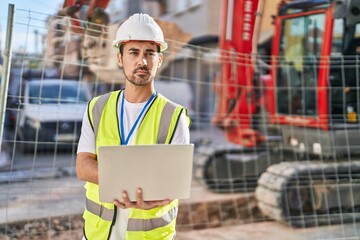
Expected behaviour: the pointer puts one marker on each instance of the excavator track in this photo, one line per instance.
(305, 193)
(230, 168)
(218, 173)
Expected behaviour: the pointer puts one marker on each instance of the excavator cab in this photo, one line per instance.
(316, 75)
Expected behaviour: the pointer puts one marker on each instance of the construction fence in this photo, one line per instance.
(312, 192)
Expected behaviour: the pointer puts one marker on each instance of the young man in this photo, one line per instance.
(134, 115)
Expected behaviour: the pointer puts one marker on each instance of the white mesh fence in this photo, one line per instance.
(305, 177)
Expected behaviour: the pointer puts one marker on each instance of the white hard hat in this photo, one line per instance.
(140, 27)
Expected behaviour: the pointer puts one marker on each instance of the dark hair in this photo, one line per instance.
(121, 49)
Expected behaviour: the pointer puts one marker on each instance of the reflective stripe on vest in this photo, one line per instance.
(134, 224)
(165, 121)
(97, 110)
(152, 223)
(96, 209)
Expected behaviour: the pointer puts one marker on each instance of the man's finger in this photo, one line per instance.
(126, 200)
(139, 198)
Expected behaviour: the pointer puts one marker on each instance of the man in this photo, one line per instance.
(131, 116)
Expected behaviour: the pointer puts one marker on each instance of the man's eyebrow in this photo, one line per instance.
(138, 50)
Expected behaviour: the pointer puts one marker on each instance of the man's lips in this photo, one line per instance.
(142, 72)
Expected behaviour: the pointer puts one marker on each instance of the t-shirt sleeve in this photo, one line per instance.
(87, 137)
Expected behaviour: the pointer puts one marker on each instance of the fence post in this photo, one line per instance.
(6, 69)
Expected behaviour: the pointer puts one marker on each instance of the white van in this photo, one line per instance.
(51, 113)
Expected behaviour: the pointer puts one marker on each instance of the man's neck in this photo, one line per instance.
(138, 94)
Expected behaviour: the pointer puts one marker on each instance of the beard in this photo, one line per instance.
(139, 79)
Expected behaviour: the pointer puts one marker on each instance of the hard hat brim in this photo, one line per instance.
(163, 45)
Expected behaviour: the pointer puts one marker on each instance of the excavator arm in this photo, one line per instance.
(86, 14)
(234, 85)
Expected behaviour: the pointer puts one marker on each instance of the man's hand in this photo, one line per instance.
(140, 203)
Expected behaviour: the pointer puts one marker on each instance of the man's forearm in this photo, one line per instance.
(87, 167)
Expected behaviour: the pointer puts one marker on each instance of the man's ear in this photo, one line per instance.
(118, 55)
(160, 60)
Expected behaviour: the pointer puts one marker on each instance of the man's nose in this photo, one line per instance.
(142, 61)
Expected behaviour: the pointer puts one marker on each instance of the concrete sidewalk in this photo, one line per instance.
(62, 199)
(22, 201)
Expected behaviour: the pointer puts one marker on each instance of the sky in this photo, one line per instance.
(23, 33)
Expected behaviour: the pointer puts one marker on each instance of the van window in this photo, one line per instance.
(50, 94)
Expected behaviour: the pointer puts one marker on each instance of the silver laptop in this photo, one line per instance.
(162, 171)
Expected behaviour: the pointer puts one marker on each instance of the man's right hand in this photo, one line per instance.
(140, 203)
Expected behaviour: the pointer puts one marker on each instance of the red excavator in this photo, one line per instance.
(310, 101)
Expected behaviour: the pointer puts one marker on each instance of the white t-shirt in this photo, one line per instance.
(131, 112)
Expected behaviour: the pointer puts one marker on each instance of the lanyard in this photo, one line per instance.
(124, 141)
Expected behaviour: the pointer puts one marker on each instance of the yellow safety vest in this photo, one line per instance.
(157, 126)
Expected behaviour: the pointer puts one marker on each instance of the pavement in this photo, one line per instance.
(24, 201)
(273, 231)
(40, 198)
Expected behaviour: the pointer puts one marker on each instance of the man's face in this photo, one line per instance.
(140, 61)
